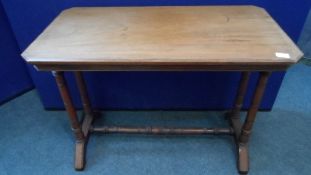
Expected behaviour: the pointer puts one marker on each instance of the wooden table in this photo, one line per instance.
(197, 38)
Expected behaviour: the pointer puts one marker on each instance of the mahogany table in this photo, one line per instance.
(193, 38)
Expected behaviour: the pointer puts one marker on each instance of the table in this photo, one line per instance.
(171, 38)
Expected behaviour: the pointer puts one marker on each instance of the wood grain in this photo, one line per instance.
(150, 38)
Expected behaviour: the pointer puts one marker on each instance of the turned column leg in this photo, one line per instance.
(251, 115)
(87, 121)
(73, 117)
(235, 113)
(236, 122)
(238, 104)
(243, 163)
(89, 115)
(83, 93)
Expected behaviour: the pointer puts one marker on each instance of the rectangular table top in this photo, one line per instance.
(163, 38)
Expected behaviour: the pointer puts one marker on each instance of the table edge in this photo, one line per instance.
(163, 67)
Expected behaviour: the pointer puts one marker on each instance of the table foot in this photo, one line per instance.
(80, 156)
(80, 153)
(243, 161)
(242, 149)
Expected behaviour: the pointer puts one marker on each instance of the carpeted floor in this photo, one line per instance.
(35, 141)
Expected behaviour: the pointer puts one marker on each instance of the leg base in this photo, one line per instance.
(243, 162)
(242, 149)
(81, 145)
(80, 156)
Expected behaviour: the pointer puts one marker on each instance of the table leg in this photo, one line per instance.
(241, 133)
(73, 117)
(88, 115)
(235, 113)
(243, 163)
(235, 116)
(88, 112)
